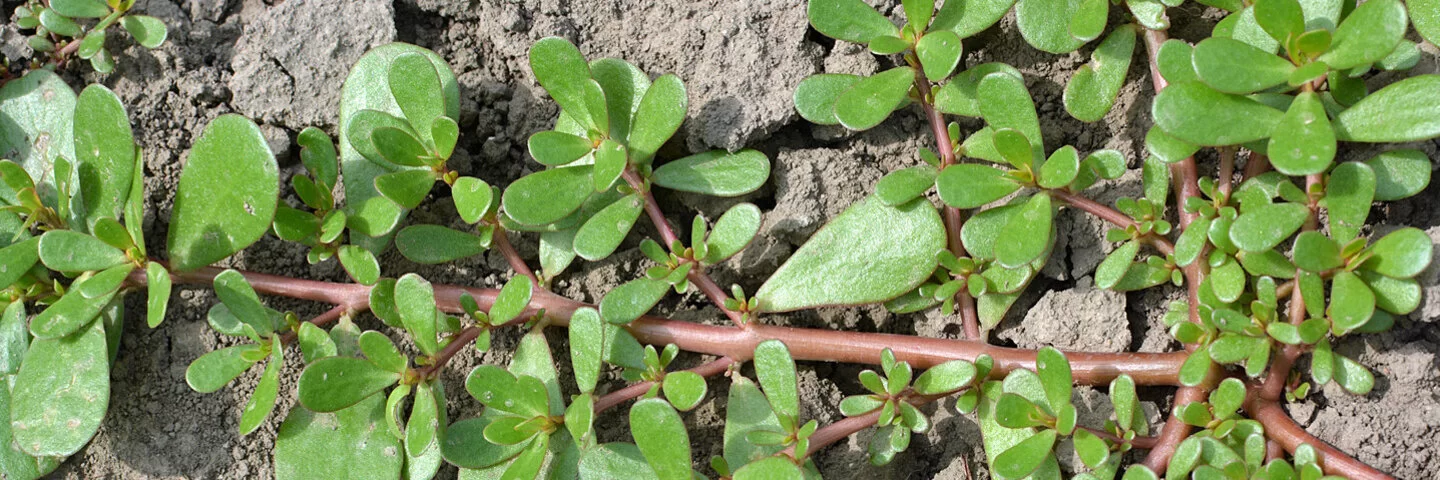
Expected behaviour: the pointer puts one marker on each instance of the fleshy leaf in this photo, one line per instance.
(849, 20)
(1403, 253)
(1232, 66)
(684, 389)
(71, 251)
(305, 445)
(214, 370)
(969, 185)
(104, 153)
(1404, 111)
(939, 52)
(833, 269)
(61, 393)
(871, 100)
(587, 347)
(716, 172)
(776, 371)
(1348, 194)
(1196, 113)
(1399, 174)
(732, 233)
(1045, 24)
(1265, 227)
(227, 193)
(660, 113)
(1303, 142)
(816, 95)
(334, 383)
(661, 436)
(632, 299)
(960, 96)
(415, 301)
(360, 264)
(1368, 34)
(1091, 92)
(548, 196)
(1028, 233)
(435, 244)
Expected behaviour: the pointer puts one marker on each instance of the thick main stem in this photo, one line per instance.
(1290, 435)
(953, 218)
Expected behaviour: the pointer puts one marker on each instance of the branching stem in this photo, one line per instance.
(954, 219)
(609, 400)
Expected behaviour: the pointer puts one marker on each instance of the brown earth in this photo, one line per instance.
(281, 63)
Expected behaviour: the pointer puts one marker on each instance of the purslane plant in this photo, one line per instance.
(1273, 269)
(61, 29)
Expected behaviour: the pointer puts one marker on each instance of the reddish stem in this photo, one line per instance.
(707, 369)
(954, 219)
(1256, 165)
(319, 321)
(1110, 215)
(457, 342)
(502, 243)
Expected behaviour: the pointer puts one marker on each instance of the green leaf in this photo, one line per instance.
(684, 389)
(1399, 174)
(969, 18)
(1198, 114)
(624, 86)
(1045, 24)
(732, 233)
(317, 445)
(360, 264)
(1196, 367)
(1089, 20)
(1023, 458)
(318, 154)
(399, 147)
(148, 31)
(871, 100)
(659, 115)
(379, 350)
(80, 305)
(587, 347)
(1192, 241)
(946, 377)
(226, 196)
(1176, 62)
(38, 105)
(716, 172)
(904, 185)
(1028, 233)
(1227, 280)
(1316, 252)
(262, 400)
(1091, 92)
(16, 260)
(104, 153)
(816, 95)
(747, 410)
(1113, 268)
(1404, 111)
(772, 468)
(1368, 34)
(833, 269)
(1282, 19)
(1352, 376)
(547, 196)
(1348, 194)
(1425, 15)
(1054, 372)
(610, 161)
(1265, 227)
(960, 96)
(849, 20)
(580, 415)
(421, 429)
(416, 87)
(1397, 296)
(632, 299)
(61, 393)
(615, 460)
(214, 370)
(1303, 142)
(1403, 253)
(969, 185)
(563, 72)
(473, 198)
(240, 298)
(407, 188)
(1351, 302)
(1232, 66)
(157, 281)
(334, 383)
(80, 8)
(434, 244)
(1061, 168)
(918, 13)
(71, 251)
(661, 436)
(512, 300)
(939, 51)
(776, 371)
(1005, 103)
(602, 234)
(315, 343)
(415, 301)
(558, 148)
(366, 102)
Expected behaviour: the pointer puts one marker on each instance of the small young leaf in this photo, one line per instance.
(871, 100)
(716, 172)
(1054, 372)
(603, 232)
(434, 244)
(1091, 92)
(684, 389)
(512, 300)
(1113, 268)
(776, 371)
(382, 352)
(610, 161)
(632, 299)
(661, 436)
(849, 20)
(214, 370)
(587, 347)
(1352, 376)
(334, 383)
(732, 233)
(903, 185)
(945, 377)
(406, 188)
(473, 198)
(79, 306)
(226, 196)
(157, 281)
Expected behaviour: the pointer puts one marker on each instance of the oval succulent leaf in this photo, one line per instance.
(871, 100)
(334, 383)
(1045, 24)
(1399, 174)
(71, 251)
(547, 196)
(833, 269)
(659, 115)
(661, 436)
(1303, 142)
(227, 193)
(960, 95)
(732, 233)
(684, 389)
(1091, 92)
(1403, 253)
(632, 299)
(435, 244)
(1198, 114)
(61, 393)
(816, 95)
(214, 370)
(1348, 194)
(1368, 34)
(1404, 111)
(849, 20)
(716, 172)
(1232, 66)
(939, 52)
(1266, 226)
(969, 185)
(104, 153)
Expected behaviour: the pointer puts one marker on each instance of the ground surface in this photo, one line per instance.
(282, 62)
